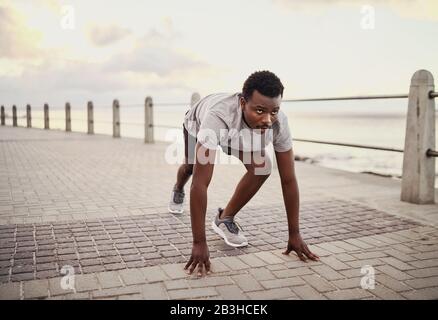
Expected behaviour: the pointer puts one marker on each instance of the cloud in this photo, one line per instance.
(103, 36)
(414, 9)
(17, 41)
(155, 53)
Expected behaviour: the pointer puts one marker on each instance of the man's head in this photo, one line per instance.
(261, 98)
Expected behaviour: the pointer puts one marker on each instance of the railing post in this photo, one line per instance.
(194, 99)
(46, 116)
(116, 119)
(90, 117)
(28, 117)
(2, 116)
(14, 116)
(418, 177)
(67, 117)
(148, 121)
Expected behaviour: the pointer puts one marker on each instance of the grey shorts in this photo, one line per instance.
(190, 145)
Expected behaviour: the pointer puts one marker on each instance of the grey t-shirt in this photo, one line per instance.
(217, 120)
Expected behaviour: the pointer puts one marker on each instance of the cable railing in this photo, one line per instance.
(419, 151)
(370, 97)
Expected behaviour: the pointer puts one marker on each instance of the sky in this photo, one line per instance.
(58, 51)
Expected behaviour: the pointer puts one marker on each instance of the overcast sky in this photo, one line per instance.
(57, 51)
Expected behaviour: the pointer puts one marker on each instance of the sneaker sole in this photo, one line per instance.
(222, 234)
(175, 211)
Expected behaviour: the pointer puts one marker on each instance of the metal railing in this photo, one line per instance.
(417, 186)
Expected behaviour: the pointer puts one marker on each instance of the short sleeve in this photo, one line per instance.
(282, 139)
(209, 134)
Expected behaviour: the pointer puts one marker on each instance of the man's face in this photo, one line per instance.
(260, 111)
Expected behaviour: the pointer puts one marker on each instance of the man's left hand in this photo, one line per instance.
(297, 244)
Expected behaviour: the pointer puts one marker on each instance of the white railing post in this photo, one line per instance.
(28, 116)
(90, 117)
(148, 121)
(46, 116)
(418, 177)
(2, 116)
(67, 117)
(14, 116)
(116, 119)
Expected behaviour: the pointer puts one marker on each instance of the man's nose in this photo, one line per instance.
(267, 120)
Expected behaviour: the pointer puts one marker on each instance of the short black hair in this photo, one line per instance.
(265, 82)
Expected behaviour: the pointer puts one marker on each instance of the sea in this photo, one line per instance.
(379, 123)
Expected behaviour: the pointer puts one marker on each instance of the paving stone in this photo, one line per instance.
(231, 292)
(327, 272)
(175, 271)
(348, 294)
(423, 282)
(234, 263)
(280, 283)
(209, 281)
(154, 274)
(36, 289)
(109, 280)
(319, 283)
(246, 282)
(272, 294)
(10, 291)
(132, 277)
(262, 274)
(192, 293)
(86, 282)
(154, 291)
(308, 293)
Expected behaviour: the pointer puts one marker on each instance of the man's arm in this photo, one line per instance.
(289, 186)
(202, 173)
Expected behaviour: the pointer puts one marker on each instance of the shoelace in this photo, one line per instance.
(233, 226)
(178, 197)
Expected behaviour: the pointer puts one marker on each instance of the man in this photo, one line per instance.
(242, 124)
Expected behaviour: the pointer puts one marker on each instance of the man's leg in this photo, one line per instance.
(186, 169)
(184, 173)
(248, 186)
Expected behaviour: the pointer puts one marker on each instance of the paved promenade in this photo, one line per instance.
(99, 205)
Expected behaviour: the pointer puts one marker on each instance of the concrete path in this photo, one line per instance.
(97, 206)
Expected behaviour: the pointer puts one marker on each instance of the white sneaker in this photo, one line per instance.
(229, 230)
(176, 204)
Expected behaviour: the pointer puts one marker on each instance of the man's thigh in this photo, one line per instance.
(189, 147)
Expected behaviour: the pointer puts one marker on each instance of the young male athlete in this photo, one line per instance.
(242, 124)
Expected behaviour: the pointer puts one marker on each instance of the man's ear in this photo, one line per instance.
(242, 103)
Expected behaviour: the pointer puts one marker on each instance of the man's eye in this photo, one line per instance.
(259, 111)
(274, 112)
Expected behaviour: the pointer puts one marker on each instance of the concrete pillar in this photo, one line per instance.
(28, 117)
(194, 99)
(2, 116)
(46, 116)
(67, 117)
(148, 121)
(14, 116)
(418, 177)
(116, 119)
(90, 117)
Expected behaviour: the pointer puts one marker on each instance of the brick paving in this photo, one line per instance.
(99, 205)
(39, 251)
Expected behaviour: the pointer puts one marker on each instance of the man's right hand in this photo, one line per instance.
(200, 258)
